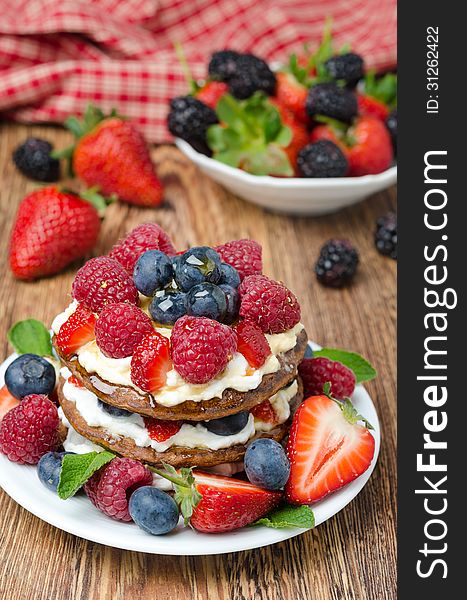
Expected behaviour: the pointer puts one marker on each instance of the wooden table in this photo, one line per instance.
(351, 556)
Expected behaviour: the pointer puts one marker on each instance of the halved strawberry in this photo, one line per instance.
(327, 449)
(215, 504)
(151, 362)
(7, 401)
(73, 380)
(252, 343)
(160, 430)
(265, 412)
(77, 330)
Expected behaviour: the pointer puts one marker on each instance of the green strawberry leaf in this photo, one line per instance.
(77, 469)
(382, 88)
(250, 136)
(289, 516)
(30, 337)
(361, 368)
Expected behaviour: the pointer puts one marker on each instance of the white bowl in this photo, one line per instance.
(293, 195)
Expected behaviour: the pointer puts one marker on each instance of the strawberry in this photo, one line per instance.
(370, 106)
(212, 92)
(77, 330)
(7, 401)
(111, 153)
(252, 343)
(366, 143)
(298, 130)
(264, 412)
(377, 96)
(73, 380)
(51, 230)
(291, 94)
(327, 449)
(216, 504)
(160, 430)
(151, 362)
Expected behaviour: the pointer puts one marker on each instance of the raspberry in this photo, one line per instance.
(160, 430)
(120, 328)
(77, 330)
(102, 281)
(111, 487)
(148, 236)
(252, 343)
(315, 372)
(29, 430)
(150, 362)
(244, 255)
(201, 348)
(268, 303)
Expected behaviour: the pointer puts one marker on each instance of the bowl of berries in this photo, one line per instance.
(310, 137)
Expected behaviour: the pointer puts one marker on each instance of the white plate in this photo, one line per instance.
(292, 195)
(79, 517)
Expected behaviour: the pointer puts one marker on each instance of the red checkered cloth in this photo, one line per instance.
(56, 56)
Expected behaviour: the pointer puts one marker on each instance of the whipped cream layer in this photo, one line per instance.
(190, 435)
(237, 375)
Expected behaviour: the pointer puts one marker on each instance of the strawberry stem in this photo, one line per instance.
(192, 84)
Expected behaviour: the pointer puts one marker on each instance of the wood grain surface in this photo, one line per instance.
(352, 556)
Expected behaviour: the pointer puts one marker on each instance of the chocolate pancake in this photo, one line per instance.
(176, 456)
(231, 401)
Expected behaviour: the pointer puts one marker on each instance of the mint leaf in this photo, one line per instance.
(362, 369)
(30, 337)
(77, 469)
(289, 516)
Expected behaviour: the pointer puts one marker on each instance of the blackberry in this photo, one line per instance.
(330, 100)
(386, 235)
(33, 159)
(391, 124)
(223, 64)
(337, 263)
(322, 159)
(347, 67)
(189, 120)
(252, 74)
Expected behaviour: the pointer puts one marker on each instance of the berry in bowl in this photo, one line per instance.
(308, 138)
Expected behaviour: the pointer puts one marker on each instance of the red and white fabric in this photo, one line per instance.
(56, 56)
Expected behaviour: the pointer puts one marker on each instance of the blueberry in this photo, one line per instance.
(49, 467)
(166, 307)
(230, 275)
(266, 464)
(228, 425)
(206, 300)
(233, 303)
(113, 410)
(197, 265)
(153, 270)
(30, 374)
(308, 352)
(153, 510)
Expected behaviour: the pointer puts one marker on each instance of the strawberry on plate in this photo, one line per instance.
(366, 144)
(112, 154)
(77, 330)
(216, 504)
(291, 94)
(212, 92)
(52, 229)
(7, 401)
(378, 95)
(327, 448)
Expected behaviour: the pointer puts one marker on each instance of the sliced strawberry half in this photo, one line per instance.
(77, 330)
(160, 430)
(215, 504)
(151, 362)
(327, 449)
(252, 343)
(7, 401)
(265, 412)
